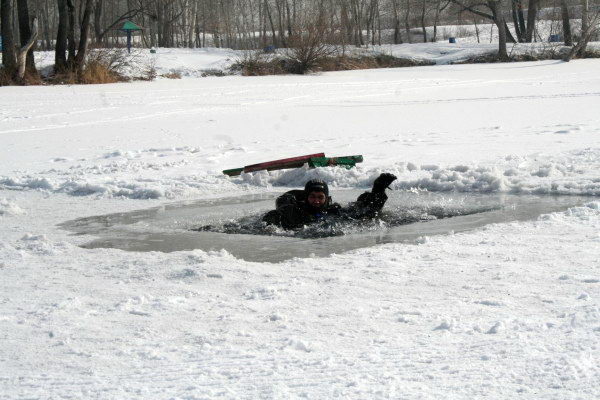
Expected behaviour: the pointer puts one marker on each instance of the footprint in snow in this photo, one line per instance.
(567, 129)
(490, 303)
(498, 327)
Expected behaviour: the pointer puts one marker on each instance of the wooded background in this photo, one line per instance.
(70, 26)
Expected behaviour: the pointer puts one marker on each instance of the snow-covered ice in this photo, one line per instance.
(505, 311)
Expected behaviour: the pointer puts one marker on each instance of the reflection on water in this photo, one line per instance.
(233, 224)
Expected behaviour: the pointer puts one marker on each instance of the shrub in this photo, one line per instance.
(148, 71)
(344, 63)
(96, 72)
(172, 75)
(591, 53)
(8, 78)
(101, 66)
(257, 63)
(308, 48)
(541, 52)
(213, 72)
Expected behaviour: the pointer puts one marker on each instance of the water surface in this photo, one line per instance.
(407, 217)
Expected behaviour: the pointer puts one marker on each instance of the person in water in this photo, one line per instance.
(297, 208)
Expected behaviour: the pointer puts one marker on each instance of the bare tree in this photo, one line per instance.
(497, 12)
(531, 18)
(566, 23)
(60, 51)
(309, 46)
(25, 50)
(9, 57)
(64, 25)
(25, 33)
(589, 29)
(66, 41)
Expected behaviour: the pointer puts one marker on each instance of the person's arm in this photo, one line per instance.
(372, 200)
(370, 203)
(273, 217)
(288, 217)
(292, 197)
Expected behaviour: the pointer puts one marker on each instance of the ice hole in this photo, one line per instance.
(228, 223)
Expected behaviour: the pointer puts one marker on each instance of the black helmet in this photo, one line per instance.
(316, 185)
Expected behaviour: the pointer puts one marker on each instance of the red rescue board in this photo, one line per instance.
(283, 163)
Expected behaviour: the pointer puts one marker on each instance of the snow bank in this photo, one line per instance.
(201, 62)
(571, 173)
(9, 208)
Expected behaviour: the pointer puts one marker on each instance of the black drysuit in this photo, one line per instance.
(293, 211)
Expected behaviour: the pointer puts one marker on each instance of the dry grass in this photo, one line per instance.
(101, 66)
(346, 63)
(258, 65)
(96, 72)
(92, 73)
(30, 79)
(214, 72)
(547, 53)
(493, 58)
(591, 53)
(6, 78)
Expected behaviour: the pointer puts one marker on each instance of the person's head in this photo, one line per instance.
(317, 193)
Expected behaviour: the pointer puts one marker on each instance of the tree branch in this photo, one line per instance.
(473, 10)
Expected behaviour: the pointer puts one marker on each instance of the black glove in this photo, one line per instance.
(383, 181)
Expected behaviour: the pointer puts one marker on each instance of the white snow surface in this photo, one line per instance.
(506, 311)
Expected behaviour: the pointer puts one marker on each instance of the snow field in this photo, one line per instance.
(506, 311)
(180, 135)
(493, 312)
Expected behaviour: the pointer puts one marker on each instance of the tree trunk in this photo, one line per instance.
(97, 20)
(476, 29)
(407, 22)
(84, 34)
(25, 33)
(579, 48)
(44, 14)
(71, 32)
(289, 19)
(517, 11)
(436, 20)
(521, 16)
(60, 51)
(586, 29)
(378, 25)
(346, 21)
(500, 22)
(268, 11)
(24, 51)
(584, 16)
(566, 23)
(397, 33)
(423, 27)
(282, 41)
(9, 56)
(531, 18)
(159, 24)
